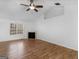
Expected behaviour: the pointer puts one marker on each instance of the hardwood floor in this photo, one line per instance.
(35, 49)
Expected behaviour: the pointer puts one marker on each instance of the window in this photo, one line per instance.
(16, 29)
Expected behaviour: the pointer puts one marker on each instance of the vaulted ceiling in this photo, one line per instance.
(13, 10)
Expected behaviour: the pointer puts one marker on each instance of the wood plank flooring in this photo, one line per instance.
(35, 49)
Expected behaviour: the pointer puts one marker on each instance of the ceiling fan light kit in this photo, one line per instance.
(32, 7)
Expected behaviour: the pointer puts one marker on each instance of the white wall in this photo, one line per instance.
(62, 29)
(5, 29)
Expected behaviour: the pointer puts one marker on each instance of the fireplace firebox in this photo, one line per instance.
(31, 35)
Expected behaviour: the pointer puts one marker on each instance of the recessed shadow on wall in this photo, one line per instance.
(54, 11)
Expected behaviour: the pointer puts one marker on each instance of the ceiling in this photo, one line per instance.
(13, 10)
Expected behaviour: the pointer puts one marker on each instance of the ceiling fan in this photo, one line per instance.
(32, 6)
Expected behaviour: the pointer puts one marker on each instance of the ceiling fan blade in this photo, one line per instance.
(36, 10)
(31, 1)
(28, 9)
(24, 4)
(39, 6)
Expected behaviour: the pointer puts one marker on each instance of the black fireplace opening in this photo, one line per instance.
(31, 35)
